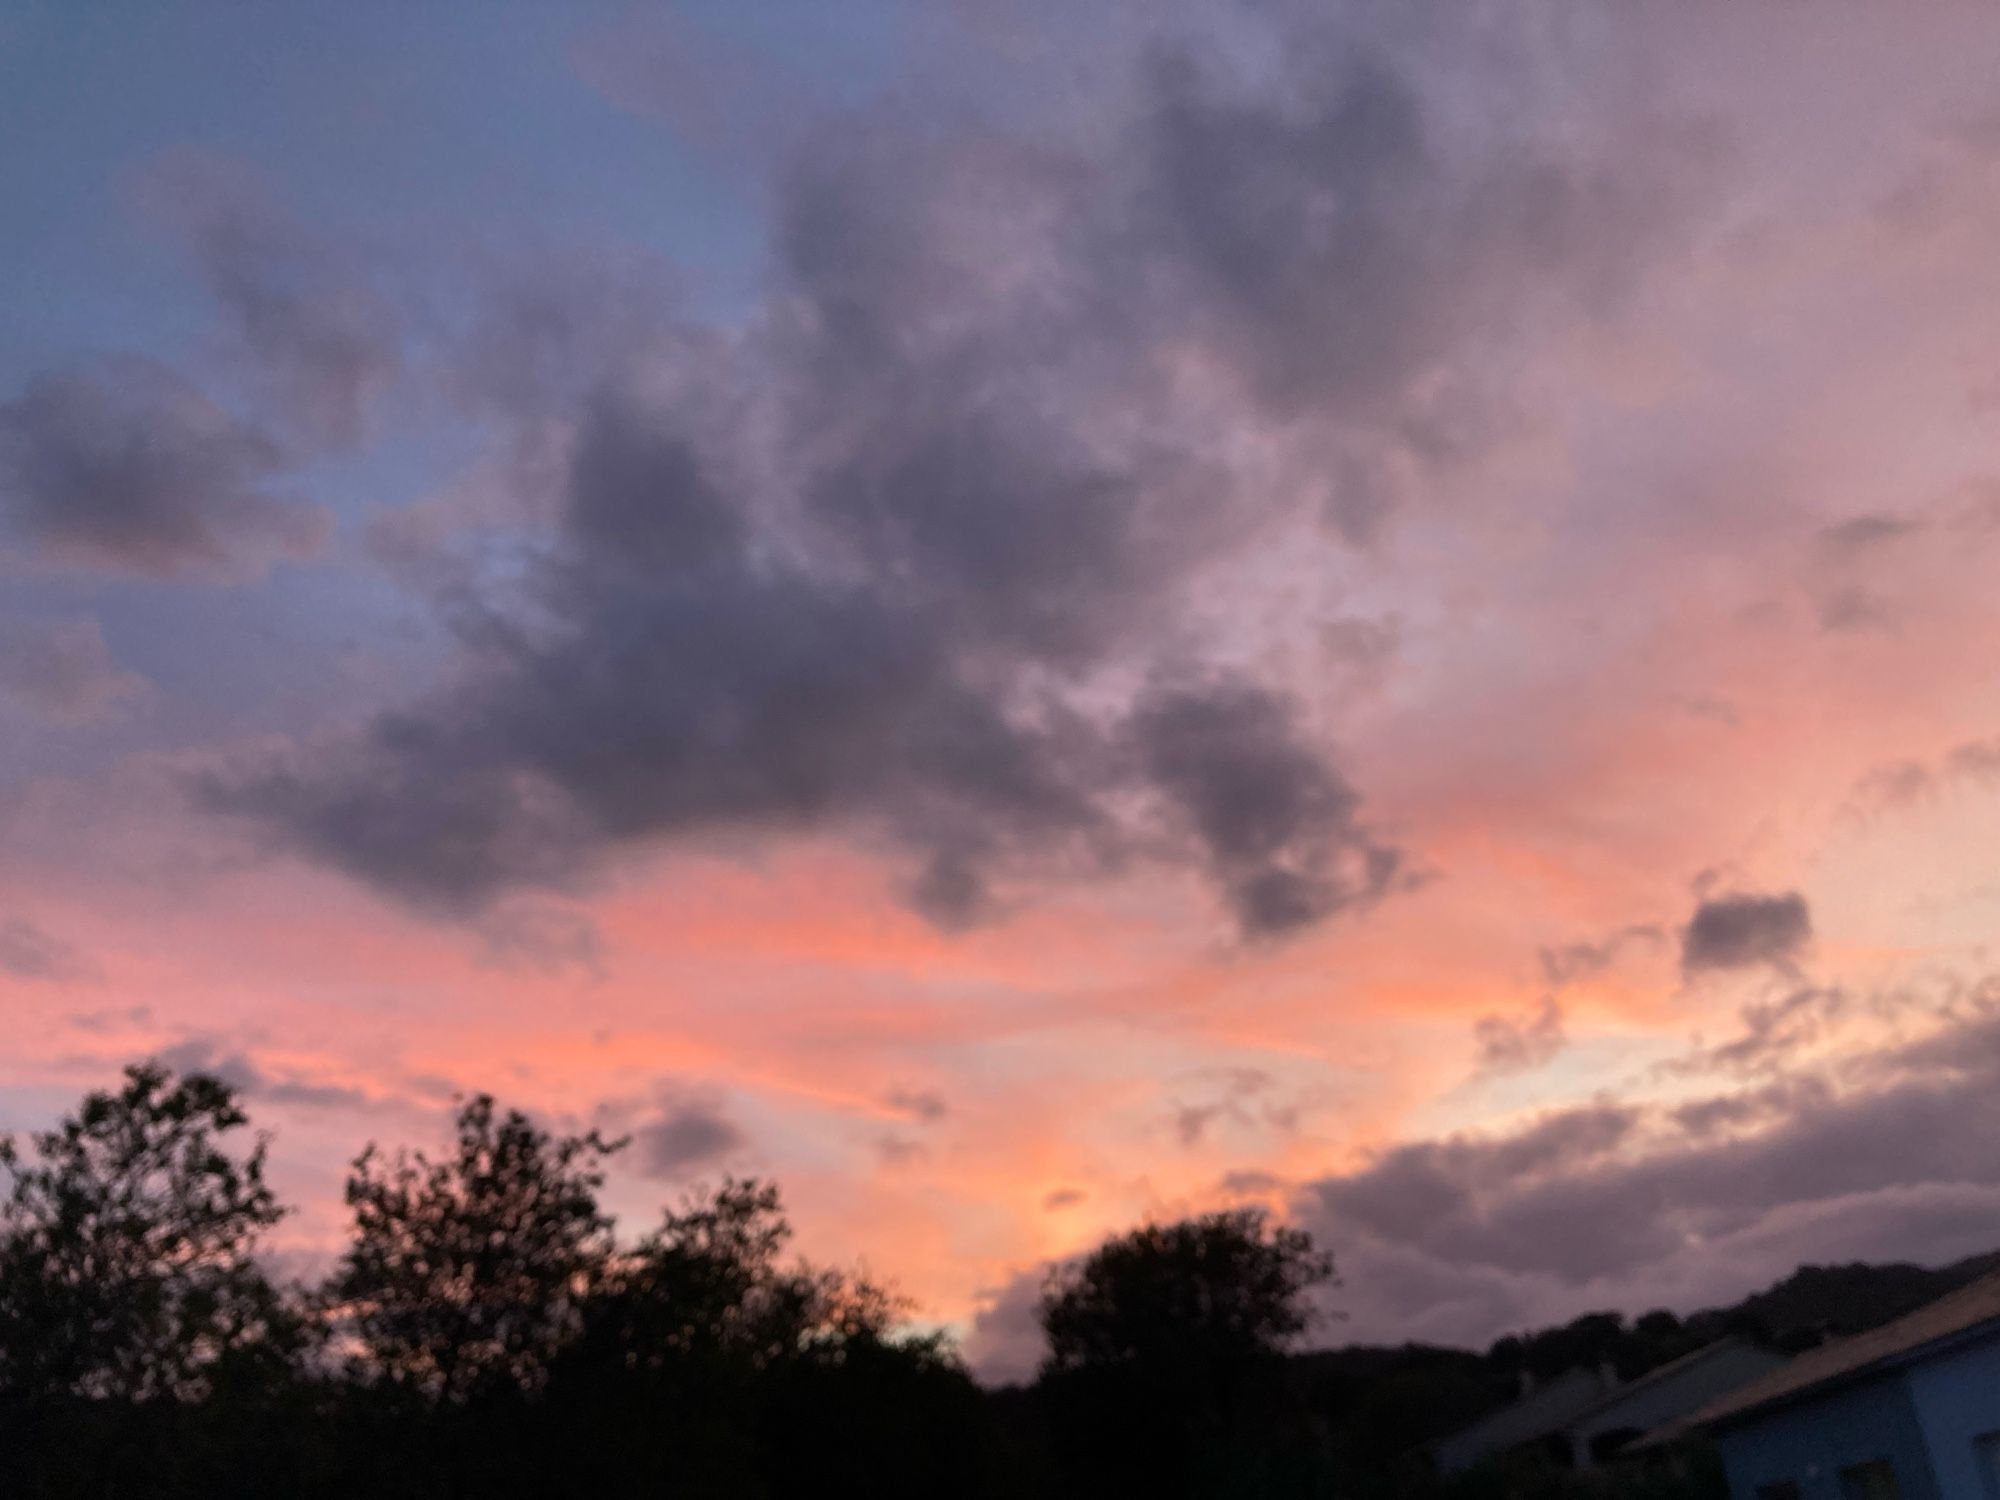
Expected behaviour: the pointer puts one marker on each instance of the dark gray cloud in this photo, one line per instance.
(62, 670)
(322, 346)
(1426, 1192)
(28, 952)
(1741, 930)
(890, 562)
(236, 1068)
(1687, 1204)
(1061, 1198)
(125, 466)
(1514, 1044)
(1321, 229)
(689, 1134)
(1278, 827)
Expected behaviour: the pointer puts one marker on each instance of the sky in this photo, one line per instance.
(1029, 617)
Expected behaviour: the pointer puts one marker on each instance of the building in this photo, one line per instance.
(1584, 1417)
(1907, 1411)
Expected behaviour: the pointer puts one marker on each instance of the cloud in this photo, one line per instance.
(1975, 759)
(539, 939)
(1277, 825)
(1688, 1204)
(1905, 783)
(924, 1105)
(1774, 1032)
(1516, 1044)
(1060, 1198)
(1902, 783)
(112, 1019)
(689, 1134)
(323, 347)
(1711, 708)
(62, 670)
(1740, 931)
(1866, 533)
(906, 559)
(1232, 1093)
(1574, 961)
(27, 952)
(125, 467)
(1319, 231)
(209, 1056)
(1364, 644)
(1852, 607)
(898, 1151)
(1247, 1183)
(1191, 1122)
(1004, 1345)
(1725, 1113)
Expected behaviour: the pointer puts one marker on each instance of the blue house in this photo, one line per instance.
(1908, 1411)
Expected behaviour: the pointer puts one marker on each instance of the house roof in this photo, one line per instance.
(1619, 1394)
(1956, 1313)
(1576, 1397)
(1549, 1407)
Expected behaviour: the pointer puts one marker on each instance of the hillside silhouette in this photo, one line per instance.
(1382, 1404)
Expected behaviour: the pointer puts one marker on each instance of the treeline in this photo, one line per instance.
(484, 1333)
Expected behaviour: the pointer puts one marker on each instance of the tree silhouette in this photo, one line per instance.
(712, 1362)
(1165, 1372)
(127, 1267)
(708, 1285)
(470, 1274)
(1215, 1290)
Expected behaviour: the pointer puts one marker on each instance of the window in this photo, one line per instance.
(1986, 1447)
(1782, 1489)
(1874, 1480)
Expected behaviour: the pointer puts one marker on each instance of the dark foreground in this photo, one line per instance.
(486, 1333)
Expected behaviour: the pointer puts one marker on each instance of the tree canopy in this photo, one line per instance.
(1222, 1288)
(127, 1248)
(473, 1271)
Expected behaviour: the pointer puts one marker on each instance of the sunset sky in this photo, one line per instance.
(1025, 616)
